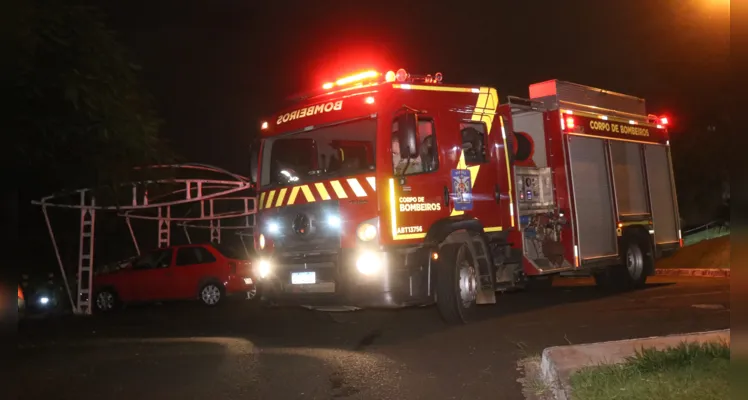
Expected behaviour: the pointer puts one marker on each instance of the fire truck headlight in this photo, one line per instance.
(333, 221)
(370, 263)
(273, 227)
(263, 269)
(366, 232)
(261, 241)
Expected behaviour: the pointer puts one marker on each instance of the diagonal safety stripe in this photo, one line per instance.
(307, 193)
(357, 189)
(292, 196)
(270, 199)
(322, 191)
(278, 198)
(338, 188)
(281, 195)
(372, 182)
(484, 111)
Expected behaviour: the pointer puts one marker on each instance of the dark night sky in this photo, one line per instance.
(217, 66)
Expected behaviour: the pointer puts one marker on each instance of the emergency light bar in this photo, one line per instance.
(391, 76)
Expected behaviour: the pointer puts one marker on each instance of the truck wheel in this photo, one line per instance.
(637, 263)
(457, 284)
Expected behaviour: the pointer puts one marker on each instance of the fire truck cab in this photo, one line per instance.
(392, 190)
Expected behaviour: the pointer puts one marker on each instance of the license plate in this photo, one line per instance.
(303, 278)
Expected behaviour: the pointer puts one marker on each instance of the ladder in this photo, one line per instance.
(85, 256)
(164, 227)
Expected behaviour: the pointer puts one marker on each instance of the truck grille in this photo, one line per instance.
(305, 229)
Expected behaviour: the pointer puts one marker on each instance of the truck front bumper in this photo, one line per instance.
(389, 280)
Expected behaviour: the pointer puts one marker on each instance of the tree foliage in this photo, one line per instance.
(78, 115)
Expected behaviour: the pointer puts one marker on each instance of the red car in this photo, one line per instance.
(204, 271)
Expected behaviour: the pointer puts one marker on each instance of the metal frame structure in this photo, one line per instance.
(189, 191)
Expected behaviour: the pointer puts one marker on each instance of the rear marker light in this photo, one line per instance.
(570, 123)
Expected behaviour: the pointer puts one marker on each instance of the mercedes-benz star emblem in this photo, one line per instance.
(301, 224)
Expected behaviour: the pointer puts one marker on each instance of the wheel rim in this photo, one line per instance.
(634, 261)
(105, 301)
(468, 280)
(211, 294)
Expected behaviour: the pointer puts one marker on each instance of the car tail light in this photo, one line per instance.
(232, 267)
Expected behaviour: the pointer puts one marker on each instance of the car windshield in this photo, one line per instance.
(339, 150)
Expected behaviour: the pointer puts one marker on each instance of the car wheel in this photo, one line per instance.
(211, 294)
(106, 300)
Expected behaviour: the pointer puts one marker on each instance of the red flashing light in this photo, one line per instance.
(369, 100)
(402, 75)
(264, 125)
(569, 123)
(346, 80)
(390, 76)
(357, 77)
(663, 121)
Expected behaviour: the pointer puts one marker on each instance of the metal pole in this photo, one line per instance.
(57, 255)
(132, 235)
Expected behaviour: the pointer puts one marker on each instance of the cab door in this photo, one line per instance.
(418, 188)
(475, 182)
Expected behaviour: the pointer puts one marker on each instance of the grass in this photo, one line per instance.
(712, 253)
(688, 371)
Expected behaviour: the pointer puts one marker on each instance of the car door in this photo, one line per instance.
(152, 276)
(193, 264)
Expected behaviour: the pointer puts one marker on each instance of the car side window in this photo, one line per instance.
(193, 256)
(427, 160)
(155, 259)
(204, 256)
(474, 142)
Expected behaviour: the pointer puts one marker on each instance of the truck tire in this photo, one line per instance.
(456, 284)
(637, 263)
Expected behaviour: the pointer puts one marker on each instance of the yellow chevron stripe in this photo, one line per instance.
(357, 189)
(322, 191)
(338, 188)
(270, 199)
(292, 196)
(372, 182)
(307, 193)
(281, 195)
(484, 111)
(508, 171)
(262, 200)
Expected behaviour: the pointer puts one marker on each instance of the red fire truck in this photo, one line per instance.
(391, 190)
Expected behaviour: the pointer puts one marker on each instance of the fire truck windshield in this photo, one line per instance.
(339, 150)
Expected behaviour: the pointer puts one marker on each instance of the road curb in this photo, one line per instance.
(559, 363)
(695, 272)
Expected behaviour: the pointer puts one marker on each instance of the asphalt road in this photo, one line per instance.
(185, 351)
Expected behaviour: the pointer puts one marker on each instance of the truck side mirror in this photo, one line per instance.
(407, 135)
(254, 156)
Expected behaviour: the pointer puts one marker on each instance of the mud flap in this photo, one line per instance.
(481, 255)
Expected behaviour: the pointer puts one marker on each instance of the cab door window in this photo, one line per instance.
(427, 160)
(474, 143)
